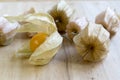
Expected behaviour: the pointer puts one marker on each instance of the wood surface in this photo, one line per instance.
(67, 64)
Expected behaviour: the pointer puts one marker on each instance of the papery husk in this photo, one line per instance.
(39, 22)
(61, 13)
(30, 11)
(74, 27)
(6, 39)
(46, 51)
(24, 51)
(62, 5)
(92, 42)
(109, 20)
(45, 58)
(7, 31)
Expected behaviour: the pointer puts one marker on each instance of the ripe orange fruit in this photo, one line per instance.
(37, 40)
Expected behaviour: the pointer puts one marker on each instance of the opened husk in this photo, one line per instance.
(30, 11)
(75, 26)
(7, 31)
(39, 22)
(92, 42)
(61, 13)
(109, 20)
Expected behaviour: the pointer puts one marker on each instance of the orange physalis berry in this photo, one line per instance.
(37, 40)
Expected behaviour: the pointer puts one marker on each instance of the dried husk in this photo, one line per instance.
(74, 27)
(7, 31)
(39, 22)
(92, 42)
(43, 54)
(30, 11)
(61, 13)
(109, 20)
(21, 19)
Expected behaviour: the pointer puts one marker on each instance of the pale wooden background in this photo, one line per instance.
(66, 65)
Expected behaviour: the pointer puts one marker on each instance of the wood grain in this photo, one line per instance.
(67, 64)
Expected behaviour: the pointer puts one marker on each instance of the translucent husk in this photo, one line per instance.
(30, 11)
(75, 26)
(62, 5)
(39, 22)
(7, 31)
(5, 40)
(47, 50)
(109, 20)
(62, 13)
(92, 42)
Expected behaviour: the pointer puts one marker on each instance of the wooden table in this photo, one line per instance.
(66, 65)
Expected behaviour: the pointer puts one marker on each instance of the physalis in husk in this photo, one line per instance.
(42, 47)
(37, 40)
